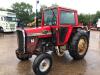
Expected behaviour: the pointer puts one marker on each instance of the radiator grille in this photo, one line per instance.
(20, 39)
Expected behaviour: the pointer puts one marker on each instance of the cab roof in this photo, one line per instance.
(62, 8)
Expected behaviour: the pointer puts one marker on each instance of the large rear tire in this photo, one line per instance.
(42, 64)
(79, 45)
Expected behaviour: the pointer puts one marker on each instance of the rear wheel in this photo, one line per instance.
(22, 56)
(79, 45)
(42, 64)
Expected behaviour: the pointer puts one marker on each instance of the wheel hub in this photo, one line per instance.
(44, 65)
(82, 46)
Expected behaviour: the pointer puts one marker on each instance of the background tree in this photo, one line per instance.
(96, 17)
(86, 18)
(23, 11)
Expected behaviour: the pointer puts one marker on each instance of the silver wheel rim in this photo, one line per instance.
(44, 65)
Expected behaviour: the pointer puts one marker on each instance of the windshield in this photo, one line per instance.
(12, 19)
(50, 16)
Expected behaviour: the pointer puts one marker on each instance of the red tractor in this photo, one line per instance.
(59, 31)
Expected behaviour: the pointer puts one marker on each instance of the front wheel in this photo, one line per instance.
(42, 64)
(79, 45)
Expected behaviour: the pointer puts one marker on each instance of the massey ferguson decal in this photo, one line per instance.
(40, 34)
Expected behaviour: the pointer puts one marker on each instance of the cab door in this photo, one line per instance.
(67, 21)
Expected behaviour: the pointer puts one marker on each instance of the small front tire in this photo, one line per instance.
(42, 64)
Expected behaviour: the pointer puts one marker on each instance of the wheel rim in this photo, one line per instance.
(82, 46)
(44, 65)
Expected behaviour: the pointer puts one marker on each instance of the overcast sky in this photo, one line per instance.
(83, 6)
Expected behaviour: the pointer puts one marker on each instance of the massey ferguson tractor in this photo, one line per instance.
(59, 32)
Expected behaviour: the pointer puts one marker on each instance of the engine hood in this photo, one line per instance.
(40, 31)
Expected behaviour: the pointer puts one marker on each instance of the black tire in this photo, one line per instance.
(74, 45)
(1, 29)
(22, 56)
(39, 59)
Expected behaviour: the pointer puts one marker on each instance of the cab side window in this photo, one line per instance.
(67, 17)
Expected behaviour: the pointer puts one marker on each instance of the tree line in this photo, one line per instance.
(89, 18)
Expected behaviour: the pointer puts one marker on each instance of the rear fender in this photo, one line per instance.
(78, 29)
